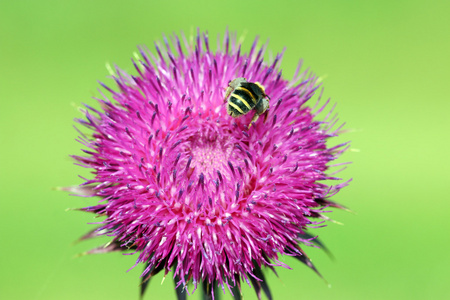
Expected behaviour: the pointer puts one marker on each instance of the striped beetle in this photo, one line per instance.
(244, 96)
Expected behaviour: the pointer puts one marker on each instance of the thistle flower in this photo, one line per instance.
(195, 191)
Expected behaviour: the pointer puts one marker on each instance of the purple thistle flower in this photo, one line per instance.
(197, 192)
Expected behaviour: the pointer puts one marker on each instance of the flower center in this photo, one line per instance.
(210, 153)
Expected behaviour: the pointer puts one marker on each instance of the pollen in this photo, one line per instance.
(210, 154)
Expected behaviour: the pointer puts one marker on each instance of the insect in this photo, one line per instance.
(244, 96)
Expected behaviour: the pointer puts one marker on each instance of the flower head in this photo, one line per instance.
(195, 191)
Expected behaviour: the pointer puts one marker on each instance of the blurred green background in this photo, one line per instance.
(386, 64)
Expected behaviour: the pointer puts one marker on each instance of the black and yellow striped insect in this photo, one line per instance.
(244, 96)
